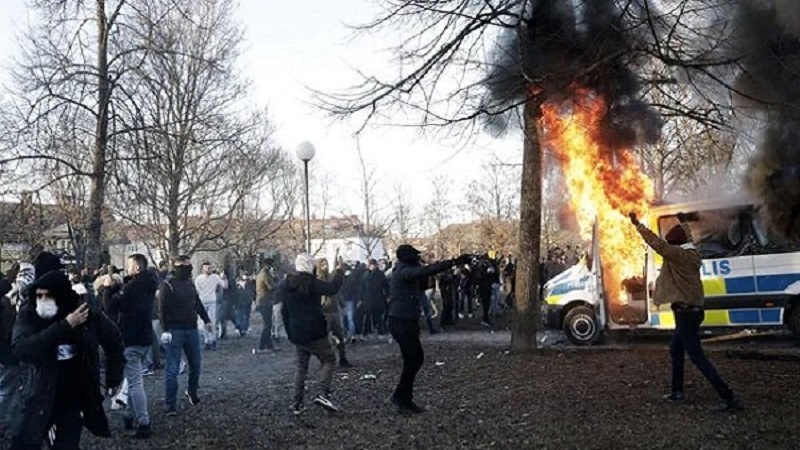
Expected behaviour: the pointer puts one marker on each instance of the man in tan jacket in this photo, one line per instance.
(264, 301)
(679, 285)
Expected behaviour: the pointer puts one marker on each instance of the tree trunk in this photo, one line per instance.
(527, 304)
(94, 250)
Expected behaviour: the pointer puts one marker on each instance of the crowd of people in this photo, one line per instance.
(104, 331)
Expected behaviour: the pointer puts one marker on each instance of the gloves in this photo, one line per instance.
(463, 259)
(634, 219)
(166, 337)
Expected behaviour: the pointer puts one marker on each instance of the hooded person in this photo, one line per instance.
(679, 285)
(307, 328)
(17, 281)
(404, 312)
(45, 263)
(58, 337)
(330, 307)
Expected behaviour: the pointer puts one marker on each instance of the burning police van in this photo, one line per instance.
(751, 277)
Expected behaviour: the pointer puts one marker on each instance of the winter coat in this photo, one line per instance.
(179, 305)
(679, 280)
(374, 290)
(264, 284)
(329, 303)
(406, 287)
(302, 306)
(131, 306)
(36, 343)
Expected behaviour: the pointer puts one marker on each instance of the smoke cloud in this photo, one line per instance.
(581, 44)
(768, 47)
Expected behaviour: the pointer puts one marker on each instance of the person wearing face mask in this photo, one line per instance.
(12, 290)
(59, 337)
(679, 285)
(179, 308)
(404, 310)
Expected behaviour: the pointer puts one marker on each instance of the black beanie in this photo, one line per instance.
(677, 236)
(408, 254)
(46, 262)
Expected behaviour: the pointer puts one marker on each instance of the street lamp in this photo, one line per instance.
(305, 151)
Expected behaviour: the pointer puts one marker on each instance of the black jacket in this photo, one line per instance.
(406, 287)
(374, 289)
(131, 306)
(35, 342)
(179, 305)
(302, 306)
(8, 314)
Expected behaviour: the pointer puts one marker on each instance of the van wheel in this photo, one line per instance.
(580, 326)
(793, 321)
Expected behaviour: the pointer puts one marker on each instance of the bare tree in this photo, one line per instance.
(438, 212)
(196, 152)
(73, 65)
(405, 222)
(373, 225)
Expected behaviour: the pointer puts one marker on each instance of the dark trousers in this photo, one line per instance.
(485, 295)
(69, 425)
(373, 321)
(448, 307)
(322, 350)
(686, 339)
(225, 313)
(406, 333)
(266, 333)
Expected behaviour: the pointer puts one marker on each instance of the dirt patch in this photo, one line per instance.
(479, 396)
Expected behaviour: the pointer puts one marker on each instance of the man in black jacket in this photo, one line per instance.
(373, 293)
(132, 306)
(307, 329)
(179, 307)
(404, 312)
(59, 337)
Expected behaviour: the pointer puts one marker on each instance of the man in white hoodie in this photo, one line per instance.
(207, 285)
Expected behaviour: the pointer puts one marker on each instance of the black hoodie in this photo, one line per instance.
(302, 306)
(131, 306)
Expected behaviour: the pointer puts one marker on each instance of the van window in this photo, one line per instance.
(730, 232)
(716, 233)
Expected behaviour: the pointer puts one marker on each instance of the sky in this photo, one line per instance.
(291, 45)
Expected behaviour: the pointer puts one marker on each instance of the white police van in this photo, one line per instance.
(751, 277)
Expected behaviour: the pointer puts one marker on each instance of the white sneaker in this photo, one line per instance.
(325, 402)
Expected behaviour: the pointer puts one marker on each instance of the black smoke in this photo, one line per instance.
(564, 45)
(767, 47)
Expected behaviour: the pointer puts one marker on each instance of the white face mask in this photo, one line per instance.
(46, 308)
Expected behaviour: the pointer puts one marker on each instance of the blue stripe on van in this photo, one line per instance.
(655, 320)
(740, 285)
(773, 283)
(744, 316)
(771, 315)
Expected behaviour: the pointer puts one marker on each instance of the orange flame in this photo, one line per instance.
(604, 186)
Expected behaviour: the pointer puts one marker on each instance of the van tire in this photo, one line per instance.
(793, 321)
(580, 326)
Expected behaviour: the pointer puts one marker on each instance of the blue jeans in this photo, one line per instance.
(426, 311)
(350, 312)
(187, 342)
(243, 317)
(134, 361)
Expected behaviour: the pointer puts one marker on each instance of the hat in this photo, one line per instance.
(677, 236)
(408, 254)
(304, 263)
(46, 262)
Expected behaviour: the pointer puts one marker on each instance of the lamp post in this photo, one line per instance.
(305, 151)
